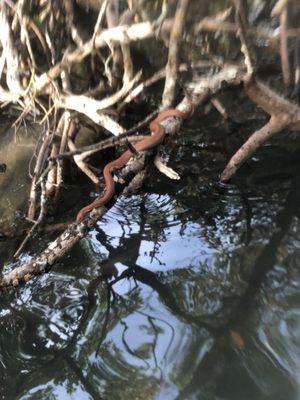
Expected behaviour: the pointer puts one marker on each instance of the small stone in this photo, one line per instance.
(15, 282)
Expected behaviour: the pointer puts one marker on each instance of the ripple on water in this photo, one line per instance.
(156, 221)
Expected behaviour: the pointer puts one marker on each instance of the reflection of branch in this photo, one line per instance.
(130, 273)
(104, 329)
(91, 296)
(204, 372)
(164, 291)
(247, 236)
(164, 322)
(88, 386)
(268, 257)
(127, 347)
(239, 315)
(154, 344)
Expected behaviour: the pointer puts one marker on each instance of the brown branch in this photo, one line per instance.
(164, 169)
(118, 142)
(38, 221)
(270, 101)
(92, 107)
(275, 125)
(51, 179)
(161, 74)
(242, 23)
(69, 9)
(62, 149)
(284, 114)
(279, 7)
(297, 70)
(112, 73)
(23, 20)
(284, 52)
(41, 158)
(211, 25)
(55, 251)
(219, 107)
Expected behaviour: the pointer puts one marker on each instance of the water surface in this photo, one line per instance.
(188, 290)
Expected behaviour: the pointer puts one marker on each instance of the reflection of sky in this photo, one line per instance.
(194, 246)
(176, 249)
(140, 333)
(190, 257)
(59, 391)
(167, 344)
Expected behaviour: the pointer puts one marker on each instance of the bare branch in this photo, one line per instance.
(173, 60)
(12, 61)
(284, 53)
(275, 125)
(119, 34)
(284, 114)
(164, 169)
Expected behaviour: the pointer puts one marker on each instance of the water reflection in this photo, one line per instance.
(188, 291)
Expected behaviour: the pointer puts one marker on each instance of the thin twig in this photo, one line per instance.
(111, 142)
(119, 34)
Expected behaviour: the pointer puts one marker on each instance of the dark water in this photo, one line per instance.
(189, 290)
